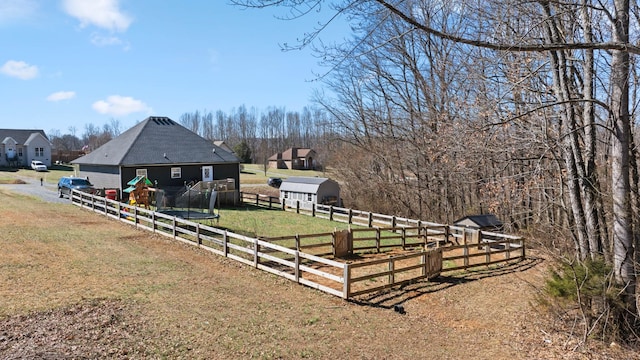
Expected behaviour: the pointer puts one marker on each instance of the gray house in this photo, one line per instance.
(308, 191)
(19, 147)
(162, 150)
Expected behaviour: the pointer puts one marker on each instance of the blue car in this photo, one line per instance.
(68, 183)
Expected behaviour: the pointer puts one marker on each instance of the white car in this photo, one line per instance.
(38, 166)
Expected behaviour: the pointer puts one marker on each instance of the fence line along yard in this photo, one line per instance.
(306, 260)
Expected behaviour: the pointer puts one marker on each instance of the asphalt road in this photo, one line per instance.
(46, 192)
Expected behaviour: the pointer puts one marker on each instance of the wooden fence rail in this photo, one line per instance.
(291, 257)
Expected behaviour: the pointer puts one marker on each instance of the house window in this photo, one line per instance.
(20, 152)
(286, 194)
(39, 151)
(309, 197)
(141, 172)
(176, 173)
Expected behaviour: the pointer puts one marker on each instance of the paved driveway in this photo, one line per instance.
(46, 192)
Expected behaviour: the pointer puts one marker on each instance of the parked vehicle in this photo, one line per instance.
(38, 165)
(274, 182)
(68, 183)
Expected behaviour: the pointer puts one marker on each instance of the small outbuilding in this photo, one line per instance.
(485, 222)
(307, 191)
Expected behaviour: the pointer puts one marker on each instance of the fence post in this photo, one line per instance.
(225, 250)
(404, 238)
(524, 256)
(507, 246)
(350, 216)
(466, 248)
(173, 228)
(313, 209)
(297, 206)
(330, 212)
(153, 221)
(370, 219)
(118, 208)
(297, 266)
(135, 215)
(270, 202)
(93, 202)
(105, 207)
(423, 262)
(198, 234)
(377, 239)
(256, 250)
(346, 285)
(487, 256)
(297, 242)
(393, 223)
(391, 271)
(257, 199)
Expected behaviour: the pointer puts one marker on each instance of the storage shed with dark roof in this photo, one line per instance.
(486, 222)
(163, 151)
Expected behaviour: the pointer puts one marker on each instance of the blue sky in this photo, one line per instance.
(69, 63)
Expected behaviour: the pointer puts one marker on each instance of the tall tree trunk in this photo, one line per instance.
(623, 251)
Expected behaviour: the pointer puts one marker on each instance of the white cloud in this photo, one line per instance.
(19, 69)
(104, 14)
(99, 40)
(17, 9)
(61, 95)
(120, 105)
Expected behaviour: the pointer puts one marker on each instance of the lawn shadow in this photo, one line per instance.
(395, 297)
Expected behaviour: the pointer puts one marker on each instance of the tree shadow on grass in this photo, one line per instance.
(394, 298)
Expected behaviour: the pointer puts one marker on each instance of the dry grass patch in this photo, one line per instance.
(74, 284)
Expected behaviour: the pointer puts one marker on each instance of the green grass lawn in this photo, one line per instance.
(255, 173)
(51, 176)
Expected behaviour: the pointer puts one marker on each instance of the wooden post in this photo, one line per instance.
(225, 249)
(466, 248)
(313, 209)
(173, 228)
(297, 266)
(256, 250)
(377, 239)
(423, 262)
(524, 255)
(270, 202)
(487, 256)
(507, 246)
(153, 221)
(198, 239)
(370, 219)
(393, 223)
(135, 215)
(391, 271)
(330, 212)
(297, 242)
(257, 199)
(297, 206)
(404, 238)
(350, 216)
(346, 285)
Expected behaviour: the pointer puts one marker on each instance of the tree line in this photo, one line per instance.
(518, 108)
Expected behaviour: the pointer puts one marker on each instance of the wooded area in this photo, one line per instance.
(522, 109)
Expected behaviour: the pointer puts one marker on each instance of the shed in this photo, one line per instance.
(485, 222)
(308, 191)
(163, 151)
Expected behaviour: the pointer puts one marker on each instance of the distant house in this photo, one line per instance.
(19, 147)
(486, 222)
(294, 158)
(162, 150)
(306, 191)
(223, 145)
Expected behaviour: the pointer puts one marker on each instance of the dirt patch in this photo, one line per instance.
(91, 329)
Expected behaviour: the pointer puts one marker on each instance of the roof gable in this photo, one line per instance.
(157, 141)
(303, 184)
(21, 135)
(482, 221)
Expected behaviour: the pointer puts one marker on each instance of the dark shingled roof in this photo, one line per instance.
(156, 141)
(20, 136)
(483, 221)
